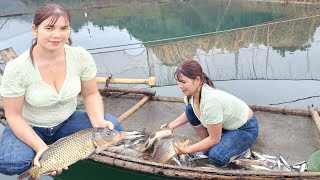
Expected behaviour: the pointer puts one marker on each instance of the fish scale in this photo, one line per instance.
(163, 151)
(65, 152)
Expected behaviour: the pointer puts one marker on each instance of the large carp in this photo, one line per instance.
(164, 149)
(73, 148)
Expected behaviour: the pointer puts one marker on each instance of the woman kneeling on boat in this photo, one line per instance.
(39, 90)
(226, 125)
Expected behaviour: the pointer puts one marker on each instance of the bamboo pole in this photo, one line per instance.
(280, 110)
(105, 80)
(263, 108)
(104, 90)
(154, 98)
(315, 116)
(125, 115)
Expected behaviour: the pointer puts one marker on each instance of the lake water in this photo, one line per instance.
(273, 63)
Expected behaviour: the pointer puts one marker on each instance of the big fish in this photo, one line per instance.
(164, 149)
(73, 148)
(163, 133)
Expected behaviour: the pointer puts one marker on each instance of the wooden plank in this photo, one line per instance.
(315, 116)
(8, 54)
(166, 170)
(135, 108)
(263, 108)
(105, 90)
(106, 80)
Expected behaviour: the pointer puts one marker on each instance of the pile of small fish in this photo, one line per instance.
(159, 147)
(258, 161)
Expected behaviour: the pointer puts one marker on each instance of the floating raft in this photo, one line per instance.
(293, 133)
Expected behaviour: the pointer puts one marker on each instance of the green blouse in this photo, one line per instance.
(43, 106)
(218, 106)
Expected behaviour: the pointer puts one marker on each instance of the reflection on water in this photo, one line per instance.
(286, 49)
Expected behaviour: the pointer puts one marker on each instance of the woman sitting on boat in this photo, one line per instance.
(39, 90)
(226, 125)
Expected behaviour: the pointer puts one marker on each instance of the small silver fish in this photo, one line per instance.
(129, 133)
(287, 165)
(248, 162)
(132, 137)
(303, 167)
(258, 168)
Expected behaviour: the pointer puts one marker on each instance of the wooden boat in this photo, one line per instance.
(293, 133)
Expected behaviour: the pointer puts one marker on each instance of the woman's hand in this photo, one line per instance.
(164, 125)
(39, 153)
(167, 125)
(36, 159)
(105, 124)
(181, 149)
(109, 125)
(59, 171)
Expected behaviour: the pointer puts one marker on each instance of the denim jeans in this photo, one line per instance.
(232, 143)
(16, 156)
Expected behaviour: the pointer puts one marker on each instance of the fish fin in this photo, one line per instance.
(43, 154)
(24, 175)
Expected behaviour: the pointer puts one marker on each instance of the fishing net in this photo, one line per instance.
(122, 61)
(264, 51)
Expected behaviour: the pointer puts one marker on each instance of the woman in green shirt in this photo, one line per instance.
(226, 125)
(39, 90)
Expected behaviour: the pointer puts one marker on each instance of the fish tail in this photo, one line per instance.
(24, 175)
(35, 173)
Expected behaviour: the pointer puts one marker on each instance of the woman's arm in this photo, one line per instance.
(20, 127)
(181, 120)
(214, 130)
(93, 103)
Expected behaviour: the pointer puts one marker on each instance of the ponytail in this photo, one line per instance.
(69, 41)
(207, 80)
(33, 44)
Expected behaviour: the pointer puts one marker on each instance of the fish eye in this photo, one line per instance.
(108, 132)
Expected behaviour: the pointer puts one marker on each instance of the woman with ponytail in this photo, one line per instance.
(39, 90)
(225, 124)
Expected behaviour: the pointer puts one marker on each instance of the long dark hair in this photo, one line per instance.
(44, 12)
(192, 69)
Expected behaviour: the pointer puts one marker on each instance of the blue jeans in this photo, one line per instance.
(232, 143)
(16, 156)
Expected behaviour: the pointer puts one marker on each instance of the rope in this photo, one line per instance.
(114, 50)
(296, 100)
(223, 16)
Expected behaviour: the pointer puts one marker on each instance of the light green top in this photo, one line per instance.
(218, 106)
(43, 106)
